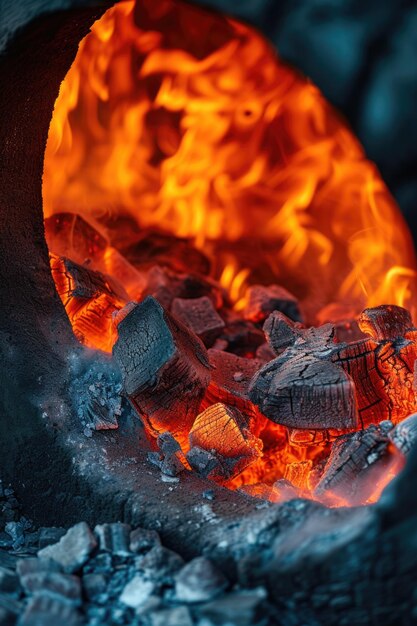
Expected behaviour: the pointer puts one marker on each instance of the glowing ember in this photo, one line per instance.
(185, 161)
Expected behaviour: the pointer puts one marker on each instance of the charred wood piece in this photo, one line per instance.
(242, 336)
(157, 248)
(301, 389)
(263, 300)
(223, 431)
(385, 322)
(281, 332)
(230, 378)
(377, 382)
(355, 463)
(166, 285)
(404, 435)
(90, 299)
(200, 316)
(165, 368)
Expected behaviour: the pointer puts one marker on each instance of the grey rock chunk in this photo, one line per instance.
(65, 586)
(113, 538)
(137, 592)
(44, 610)
(143, 539)
(159, 564)
(73, 549)
(33, 565)
(199, 581)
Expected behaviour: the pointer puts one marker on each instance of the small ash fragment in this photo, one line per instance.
(96, 392)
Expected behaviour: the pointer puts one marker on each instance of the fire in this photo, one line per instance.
(186, 123)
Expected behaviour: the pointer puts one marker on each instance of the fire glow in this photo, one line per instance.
(185, 158)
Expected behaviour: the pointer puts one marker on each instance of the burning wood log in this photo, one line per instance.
(386, 322)
(165, 368)
(90, 299)
(200, 315)
(263, 300)
(301, 389)
(224, 432)
(356, 464)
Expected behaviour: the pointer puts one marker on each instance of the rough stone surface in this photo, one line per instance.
(73, 549)
(199, 581)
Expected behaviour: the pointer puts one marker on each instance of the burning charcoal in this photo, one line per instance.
(265, 353)
(156, 248)
(281, 332)
(48, 536)
(303, 437)
(200, 316)
(137, 592)
(382, 370)
(143, 540)
(165, 286)
(305, 392)
(297, 474)
(203, 462)
(223, 431)
(113, 538)
(165, 368)
(85, 241)
(349, 471)
(199, 581)
(404, 435)
(263, 300)
(242, 337)
(9, 582)
(385, 322)
(231, 376)
(44, 610)
(64, 586)
(159, 564)
(90, 298)
(73, 549)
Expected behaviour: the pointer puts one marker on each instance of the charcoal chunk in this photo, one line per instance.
(113, 538)
(48, 536)
(165, 368)
(94, 585)
(64, 586)
(199, 581)
(137, 592)
(404, 435)
(238, 608)
(142, 540)
(263, 300)
(159, 564)
(73, 549)
(200, 316)
(44, 610)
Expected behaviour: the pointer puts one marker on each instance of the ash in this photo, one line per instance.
(96, 392)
